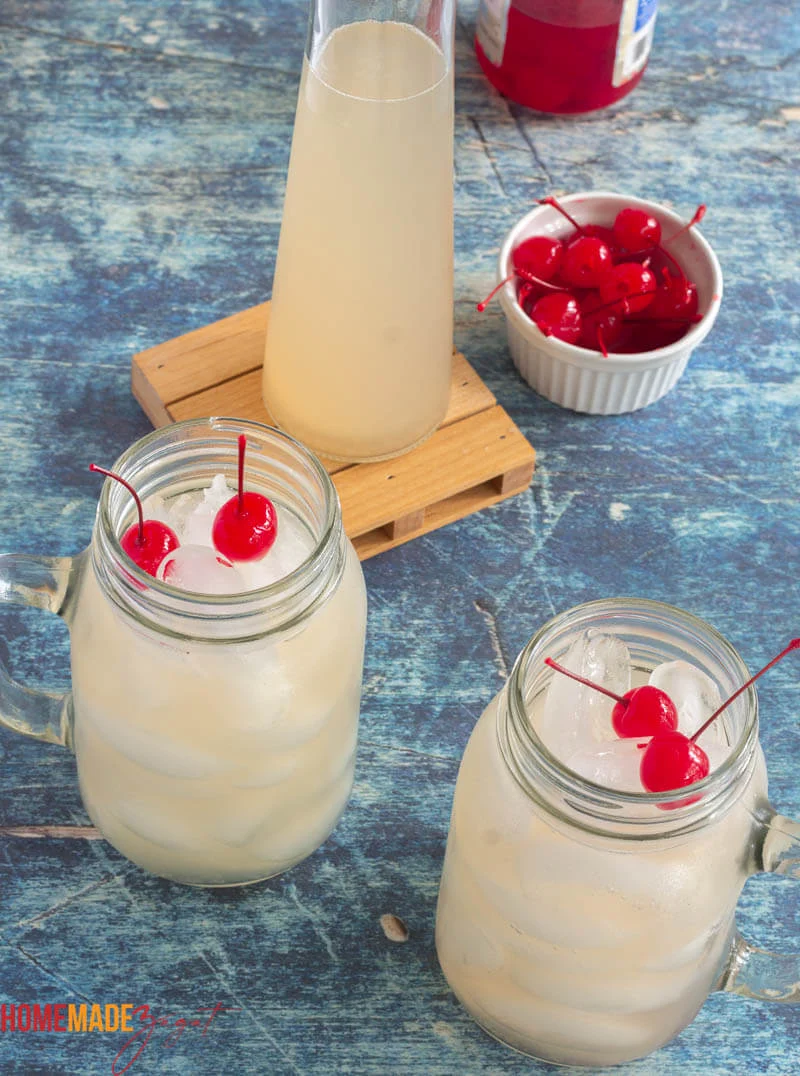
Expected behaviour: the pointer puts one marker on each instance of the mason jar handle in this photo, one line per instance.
(48, 583)
(756, 973)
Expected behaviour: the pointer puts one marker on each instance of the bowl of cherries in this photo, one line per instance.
(605, 297)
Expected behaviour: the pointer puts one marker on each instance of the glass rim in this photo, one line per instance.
(706, 795)
(221, 607)
(312, 54)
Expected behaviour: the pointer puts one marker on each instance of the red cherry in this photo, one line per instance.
(599, 257)
(540, 255)
(558, 315)
(642, 711)
(636, 230)
(148, 541)
(601, 324)
(246, 526)
(587, 262)
(147, 546)
(631, 284)
(675, 297)
(671, 760)
(647, 711)
(607, 236)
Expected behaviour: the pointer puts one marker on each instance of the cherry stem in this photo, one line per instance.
(118, 478)
(481, 306)
(551, 201)
(583, 680)
(699, 213)
(523, 274)
(242, 446)
(601, 342)
(793, 645)
(616, 302)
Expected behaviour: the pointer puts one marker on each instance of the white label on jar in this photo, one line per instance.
(491, 29)
(635, 38)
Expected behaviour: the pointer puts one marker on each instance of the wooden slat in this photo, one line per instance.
(454, 459)
(438, 515)
(205, 357)
(406, 526)
(241, 398)
(216, 370)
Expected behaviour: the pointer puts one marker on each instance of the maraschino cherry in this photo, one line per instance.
(540, 255)
(672, 760)
(642, 711)
(246, 526)
(630, 285)
(587, 262)
(558, 314)
(148, 541)
(632, 294)
(636, 230)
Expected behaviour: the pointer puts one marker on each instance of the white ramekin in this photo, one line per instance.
(585, 380)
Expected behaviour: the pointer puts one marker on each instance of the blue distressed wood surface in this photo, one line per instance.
(144, 149)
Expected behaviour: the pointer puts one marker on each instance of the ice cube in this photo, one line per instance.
(290, 837)
(694, 693)
(158, 753)
(161, 824)
(258, 695)
(715, 745)
(174, 511)
(155, 507)
(197, 521)
(613, 765)
(269, 770)
(575, 717)
(201, 570)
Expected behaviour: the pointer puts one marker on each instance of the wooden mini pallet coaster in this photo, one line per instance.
(477, 456)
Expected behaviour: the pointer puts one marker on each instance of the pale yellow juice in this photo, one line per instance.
(216, 763)
(359, 342)
(585, 951)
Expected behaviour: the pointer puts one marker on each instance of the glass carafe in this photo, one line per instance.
(585, 926)
(215, 735)
(360, 334)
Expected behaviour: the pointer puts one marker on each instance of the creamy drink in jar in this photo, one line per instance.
(214, 709)
(582, 919)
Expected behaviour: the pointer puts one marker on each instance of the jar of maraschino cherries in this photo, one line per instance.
(564, 56)
(217, 642)
(598, 844)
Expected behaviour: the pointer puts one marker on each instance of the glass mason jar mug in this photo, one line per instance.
(586, 926)
(215, 735)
